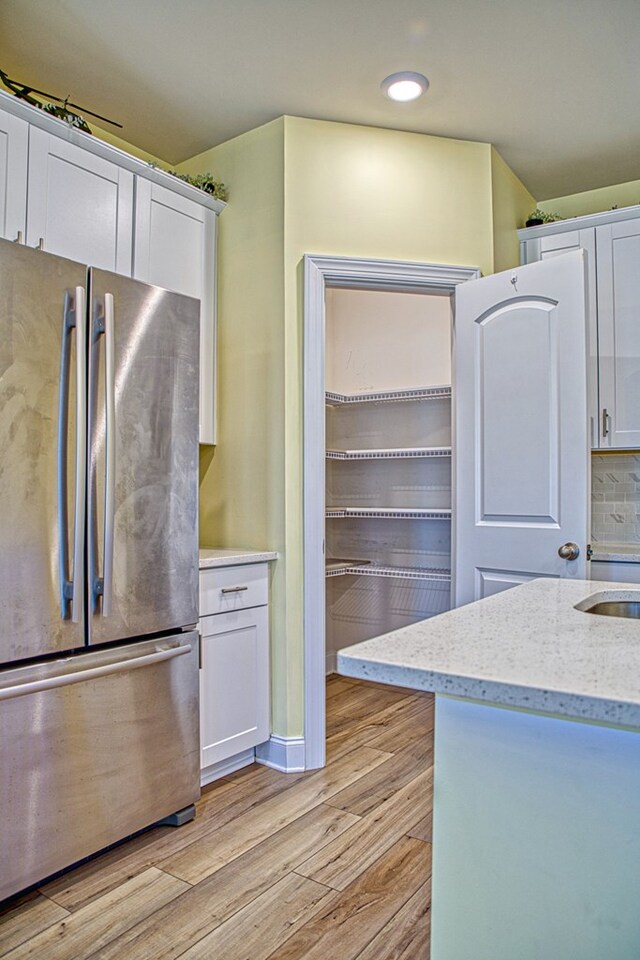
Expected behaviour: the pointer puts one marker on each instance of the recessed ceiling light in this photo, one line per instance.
(405, 85)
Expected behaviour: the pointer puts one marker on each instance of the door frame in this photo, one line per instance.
(321, 272)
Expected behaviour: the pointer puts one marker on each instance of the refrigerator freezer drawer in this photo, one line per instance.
(94, 747)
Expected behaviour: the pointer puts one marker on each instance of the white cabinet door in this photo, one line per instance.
(619, 330)
(80, 206)
(234, 683)
(542, 248)
(14, 140)
(175, 248)
(522, 459)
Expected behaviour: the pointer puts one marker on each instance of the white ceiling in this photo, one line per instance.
(553, 84)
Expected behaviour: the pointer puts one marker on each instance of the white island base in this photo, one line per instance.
(536, 823)
(536, 834)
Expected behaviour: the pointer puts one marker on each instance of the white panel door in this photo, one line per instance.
(175, 248)
(522, 462)
(14, 140)
(619, 329)
(80, 206)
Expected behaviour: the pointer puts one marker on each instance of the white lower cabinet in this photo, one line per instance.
(234, 668)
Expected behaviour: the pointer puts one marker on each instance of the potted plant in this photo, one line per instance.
(538, 217)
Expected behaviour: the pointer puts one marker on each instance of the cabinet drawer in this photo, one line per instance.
(224, 589)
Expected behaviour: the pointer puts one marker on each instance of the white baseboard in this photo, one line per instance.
(331, 662)
(282, 753)
(224, 767)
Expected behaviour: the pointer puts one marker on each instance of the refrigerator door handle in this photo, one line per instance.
(110, 455)
(72, 585)
(55, 680)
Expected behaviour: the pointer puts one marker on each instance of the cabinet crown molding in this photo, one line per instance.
(126, 161)
(579, 223)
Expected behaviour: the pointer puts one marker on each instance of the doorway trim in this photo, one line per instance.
(321, 272)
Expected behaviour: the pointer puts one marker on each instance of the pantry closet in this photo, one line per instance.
(388, 462)
(378, 343)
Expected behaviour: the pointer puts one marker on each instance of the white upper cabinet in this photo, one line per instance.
(619, 327)
(14, 140)
(77, 197)
(79, 205)
(175, 248)
(612, 242)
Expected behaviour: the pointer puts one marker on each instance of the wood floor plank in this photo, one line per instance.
(423, 830)
(177, 926)
(406, 936)
(406, 733)
(198, 860)
(394, 688)
(370, 791)
(348, 856)
(337, 687)
(361, 731)
(259, 929)
(216, 808)
(26, 917)
(351, 921)
(82, 933)
(254, 829)
(359, 706)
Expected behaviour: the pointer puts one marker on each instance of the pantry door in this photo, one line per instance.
(521, 429)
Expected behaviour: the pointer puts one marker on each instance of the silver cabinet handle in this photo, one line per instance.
(105, 670)
(72, 583)
(605, 422)
(110, 455)
(569, 551)
(233, 589)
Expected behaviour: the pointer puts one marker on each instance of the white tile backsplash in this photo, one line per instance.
(615, 498)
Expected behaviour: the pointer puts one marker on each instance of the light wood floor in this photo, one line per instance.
(327, 865)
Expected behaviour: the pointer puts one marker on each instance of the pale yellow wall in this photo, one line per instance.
(594, 201)
(365, 192)
(242, 489)
(301, 186)
(511, 203)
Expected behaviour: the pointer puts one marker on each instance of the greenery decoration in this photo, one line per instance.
(204, 181)
(541, 217)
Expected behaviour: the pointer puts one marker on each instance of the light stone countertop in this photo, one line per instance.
(620, 552)
(232, 557)
(527, 647)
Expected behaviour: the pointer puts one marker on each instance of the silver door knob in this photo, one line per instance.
(569, 551)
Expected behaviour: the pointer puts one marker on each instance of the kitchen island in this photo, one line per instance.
(537, 771)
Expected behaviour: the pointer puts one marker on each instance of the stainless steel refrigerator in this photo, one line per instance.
(98, 560)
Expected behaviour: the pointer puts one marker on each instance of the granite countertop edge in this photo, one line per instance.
(527, 648)
(616, 552)
(230, 557)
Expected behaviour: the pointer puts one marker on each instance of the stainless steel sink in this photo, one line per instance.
(616, 608)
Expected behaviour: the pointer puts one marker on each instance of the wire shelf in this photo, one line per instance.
(433, 574)
(415, 393)
(389, 453)
(389, 513)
